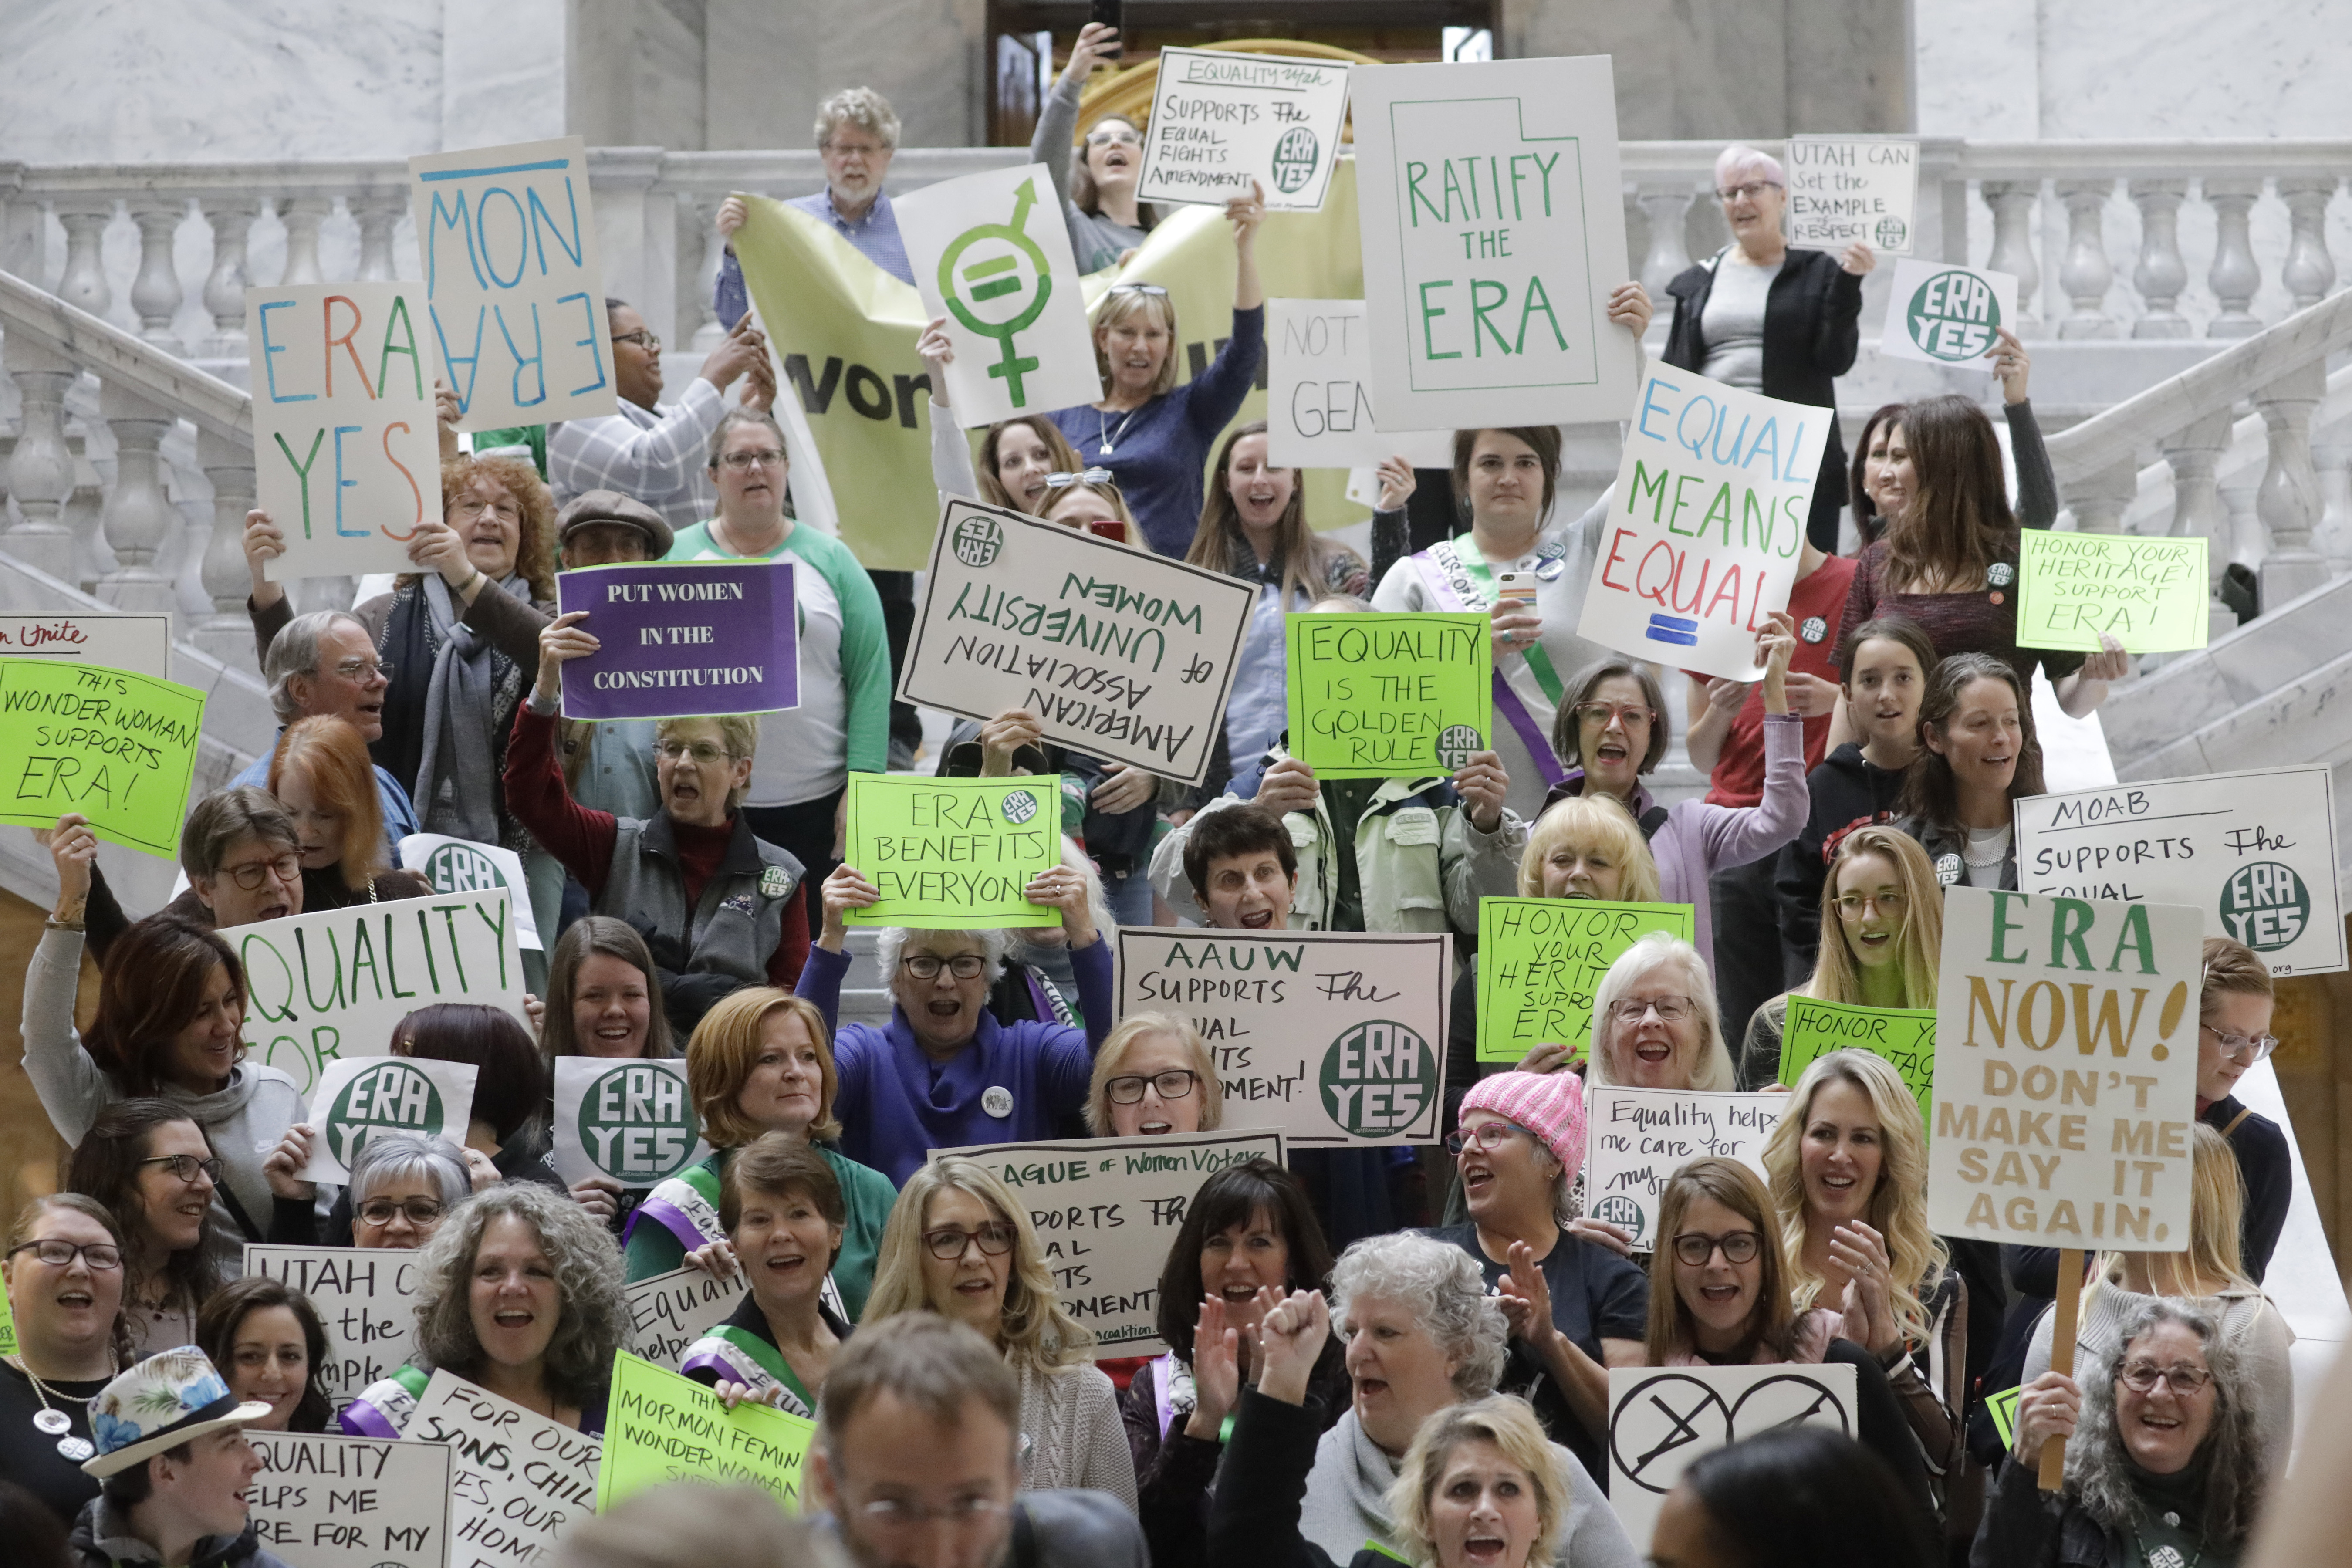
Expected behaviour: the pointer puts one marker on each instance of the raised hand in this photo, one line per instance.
(843, 891)
(281, 1169)
(1216, 1370)
(1288, 1341)
(561, 641)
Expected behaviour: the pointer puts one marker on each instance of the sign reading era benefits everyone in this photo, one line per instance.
(954, 854)
(326, 1501)
(1220, 120)
(1848, 190)
(1389, 696)
(1904, 1036)
(2149, 593)
(1541, 960)
(116, 746)
(683, 640)
(1317, 412)
(1636, 1139)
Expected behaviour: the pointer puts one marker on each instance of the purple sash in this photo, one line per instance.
(1450, 597)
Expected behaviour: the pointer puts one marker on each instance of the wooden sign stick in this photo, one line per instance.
(2061, 1355)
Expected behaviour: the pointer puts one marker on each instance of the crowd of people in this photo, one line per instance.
(1386, 1353)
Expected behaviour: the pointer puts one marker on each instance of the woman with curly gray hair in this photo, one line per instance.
(2163, 1464)
(522, 1295)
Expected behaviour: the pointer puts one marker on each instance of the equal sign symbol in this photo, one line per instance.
(980, 270)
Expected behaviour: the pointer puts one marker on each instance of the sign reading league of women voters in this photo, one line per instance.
(126, 641)
(632, 1121)
(366, 1301)
(462, 865)
(2254, 851)
(1220, 120)
(1661, 1419)
(1853, 189)
(1390, 696)
(1105, 1210)
(1317, 412)
(1332, 1038)
(513, 284)
(1636, 1138)
(2147, 594)
(954, 854)
(683, 641)
(659, 1426)
(991, 253)
(1121, 654)
(1541, 960)
(1903, 1037)
(2065, 1070)
(326, 1501)
(1706, 523)
(360, 1097)
(116, 746)
(1946, 314)
(344, 445)
(522, 1481)
(1494, 228)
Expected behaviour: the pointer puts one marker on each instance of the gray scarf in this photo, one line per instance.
(457, 777)
(1346, 1493)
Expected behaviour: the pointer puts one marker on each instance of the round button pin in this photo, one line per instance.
(997, 1100)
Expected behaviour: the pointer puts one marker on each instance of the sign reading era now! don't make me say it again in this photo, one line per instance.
(683, 641)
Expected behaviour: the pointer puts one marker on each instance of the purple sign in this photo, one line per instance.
(683, 641)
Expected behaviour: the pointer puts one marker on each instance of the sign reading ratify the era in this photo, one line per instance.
(1845, 190)
(1494, 228)
(2065, 1070)
(1317, 412)
(1390, 696)
(326, 1501)
(1904, 1036)
(1220, 120)
(462, 865)
(668, 1312)
(1661, 1420)
(2255, 851)
(1332, 1038)
(116, 746)
(522, 1482)
(2149, 593)
(365, 1299)
(1105, 1210)
(1120, 654)
(954, 854)
(661, 1427)
(1707, 523)
(129, 640)
(683, 640)
(631, 1120)
(359, 1097)
(513, 283)
(1945, 314)
(1636, 1139)
(1540, 961)
(345, 446)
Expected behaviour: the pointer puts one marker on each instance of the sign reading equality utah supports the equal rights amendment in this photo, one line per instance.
(1393, 696)
(683, 640)
(631, 1120)
(954, 854)
(1331, 1038)
(1848, 190)
(1540, 961)
(1121, 654)
(1220, 120)
(1946, 314)
(114, 745)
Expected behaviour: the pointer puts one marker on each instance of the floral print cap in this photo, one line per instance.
(163, 1402)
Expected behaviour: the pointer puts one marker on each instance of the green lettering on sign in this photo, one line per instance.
(1904, 1036)
(954, 854)
(636, 1124)
(659, 1426)
(1540, 960)
(116, 746)
(1390, 696)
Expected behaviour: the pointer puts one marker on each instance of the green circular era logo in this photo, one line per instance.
(1620, 1209)
(461, 868)
(2265, 905)
(1892, 232)
(1294, 159)
(1952, 316)
(636, 1124)
(1378, 1078)
(1455, 745)
(390, 1097)
(976, 540)
(1020, 806)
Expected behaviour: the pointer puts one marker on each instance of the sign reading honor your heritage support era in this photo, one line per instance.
(954, 854)
(1661, 1419)
(1105, 1210)
(683, 640)
(668, 1312)
(462, 865)
(661, 1427)
(1849, 190)
(359, 1097)
(1330, 1038)
(1318, 412)
(631, 1120)
(2147, 594)
(1904, 1036)
(1706, 525)
(2254, 851)
(1540, 961)
(116, 746)
(141, 644)
(366, 1301)
(1636, 1139)
(1494, 228)
(1389, 696)
(1946, 314)
(1121, 654)
(326, 1501)
(522, 1482)
(1220, 120)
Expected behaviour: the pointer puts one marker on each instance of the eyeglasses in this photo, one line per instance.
(362, 670)
(1120, 137)
(285, 868)
(702, 752)
(2142, 1376)
(853, 149)
(1670, 1009)
(1750, 191)
(1626, 713)
(1853, 905)
(651, 344)
(927, 965)
(744, 462)
(2247, 1048)
(1173, 1084)
(101, 1256)
(1695, 1247)
(474, 506)
(1087, 476)
(380, 1212)
(1137, 288)
(185, 1166)
(1486, 1135)
(964, 1513)
(995, 1239)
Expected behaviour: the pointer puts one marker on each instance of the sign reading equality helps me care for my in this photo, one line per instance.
(116, 746)
(1317, 412)
(1540, 961)
(1121, 654)
(631, 1120)
(366, 1301)
(1945, 314)
(1220, 120)
(683, 640)
(661, 1427)
(326, 1501)
(954, 854)
(1393, 695)
(667, 1312)
(1848, 190)
(2149, 593)
(1636, 1139)
(2065, 1070)
(1904, 1036)
(1707, 523)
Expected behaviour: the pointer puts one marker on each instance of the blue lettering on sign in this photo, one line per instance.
(1672, 630)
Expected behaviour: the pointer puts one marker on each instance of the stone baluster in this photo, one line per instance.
(226, 634)
(2235, 275)
(2085, 272)
(2331, 457)
(155, 292)
(1667, 207)
(2288, 501)
(377, 214)
(139, 516)
(303, 216)
(2098, 500)
(85, 219)
(231, 220)
(2160, 274)
(2012, 243)
(41, 468)
(2194, 453)
(699, 235)
(2309, 272)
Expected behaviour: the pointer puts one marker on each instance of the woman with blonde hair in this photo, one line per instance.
(2235, 1007)
(1154, 1075)
(320, 772)
(961, 1245)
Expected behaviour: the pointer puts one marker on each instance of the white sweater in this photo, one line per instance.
(1072, 1434)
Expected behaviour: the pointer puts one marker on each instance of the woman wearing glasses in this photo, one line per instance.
(1654, 1020)
(150, 1164)
(239, 848)
(1096, 182)
(961, 1245)
(402, 1184)
(65, 1277)
(1154, 1076)
(2234, 1033)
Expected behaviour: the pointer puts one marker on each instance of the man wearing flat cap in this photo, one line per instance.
(172, 1465)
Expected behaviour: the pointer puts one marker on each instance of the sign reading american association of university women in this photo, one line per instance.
(954, 854)
(115, 745)
(1389, 696)
(683, 641)
(1220, 120)
(1121, 654)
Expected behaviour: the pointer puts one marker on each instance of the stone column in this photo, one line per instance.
(84, 284)
(2085, 271)
(231, 221)
(139, 516)
(226, 634)
(2235, 275)
(2194, 453)
(303, 216)
(155, 293)
(2012, 244)
(2161, 274)
(2098, 500)
(2309, 272)
(41, 468)
(1667, 207)
(2288, 502)
(377, 215)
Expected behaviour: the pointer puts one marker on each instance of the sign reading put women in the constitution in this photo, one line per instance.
(1220, 120)
(683, 641)
(1391, 696)
(1849, 190)
(1636, 1139)
(1318, 412)
(1946, 314)
(954, 854)
(114, 745)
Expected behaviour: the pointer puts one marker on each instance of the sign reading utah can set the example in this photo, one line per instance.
(1540, 961)
(1904, 1036)
(1390, 696)
(1945, 314)
(2255, 851)
(1847, 190)
(682, 641)
(1636, 1139)
(1317, 412)
(116, 746)
(2149, 593)
(631, 1120)
(1120, 654)
(954, 854)
(365, 1298)
(1220, 120)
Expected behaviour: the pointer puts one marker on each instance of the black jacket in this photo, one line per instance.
(99, 1527)
(1849, 792)
(2022, 1528)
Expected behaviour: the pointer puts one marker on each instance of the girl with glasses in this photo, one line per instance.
(150, 1164)
(2235, 1010)
(65, 1276)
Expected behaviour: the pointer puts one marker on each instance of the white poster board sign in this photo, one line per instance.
(462, 865)
(1706, 523)
(1334, 1039)
(366, 1298)
(667, 1312)
(631, 1120)
(127, 640)
(346, 458)
(1849, 190)
(514, 284)
(325, 1500)
(1494, 229)
(991, 253)
(1121, 654)
(522, 1481)
(1661, 1419)
(2065, 1070)
(1317, 408)
(1636, 1139)
(1107, 1209)
(359, 1097)
(2256, 851)
(1944, 314)
(1220, 120)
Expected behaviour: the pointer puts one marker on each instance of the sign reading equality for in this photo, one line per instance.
(1220, 120)
(1494, 228)
(1707, 525)
(1317, 412)
(1661, 1419)
(366, 1299)
(1107, 1208)
(1393, 695)
(326, 1501)
(461, 865)
(116, 746)
(521, 1483)
(1332, 1038)
(2255, 851)
(683, 640)
(1636, 1139)
(359, 1097)
(1946, 314)
(1120, 653)
(1904, 1036)
(1541, 960)
(954, 854)
(513, 283)
(2149, 593)
(667, 1312)
(2065, 1070)
(1848, 190)
(130, 640)
(661, 1427)
(631, 1120)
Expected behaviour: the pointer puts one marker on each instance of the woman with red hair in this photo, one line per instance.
(321, 774)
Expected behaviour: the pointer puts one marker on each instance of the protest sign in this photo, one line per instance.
(1660, 1421)
(2256, 851)
(1707, 524)
(2149, 593)
(2002, 1408)
(1317, 412)
(1904, 1036)
(1395, 696)
(521, 1480)
(1121, 654)
(2065, 1070)
(1494, 228)
(116, 746)
(661, 1427)
(344, 445)
(462, 865)
(7, 1323)
(1107, 1209)
(991, 253)
(359, 1097)
(325, 1500)
(1850, 190)
(1330, 1038)
(1540, 961)
(1220, 120)
(1945, 314)
(954, 854)
(1636, 1139)
(513, 283)
(366, 1299)
(631, 1120)
(668, 1312)
(141, 644)
(683, 640)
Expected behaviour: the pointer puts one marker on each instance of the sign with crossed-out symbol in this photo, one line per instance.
(1661, 1421)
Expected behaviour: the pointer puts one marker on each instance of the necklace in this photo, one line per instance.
(54, 1423)
(1108, 436)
